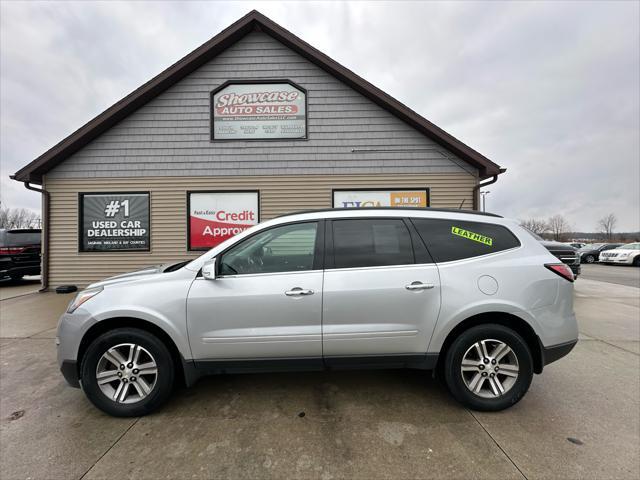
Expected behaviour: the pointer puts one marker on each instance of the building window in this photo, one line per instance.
(114, 222)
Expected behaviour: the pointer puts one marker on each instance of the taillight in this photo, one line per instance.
(561, 269)
(11, 250)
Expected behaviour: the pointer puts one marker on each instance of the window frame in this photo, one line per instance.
(318, 254)
(419, 258)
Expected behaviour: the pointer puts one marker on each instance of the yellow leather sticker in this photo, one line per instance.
(475, 237)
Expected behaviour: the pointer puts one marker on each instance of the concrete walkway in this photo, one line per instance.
(580, 418)
(16, 288)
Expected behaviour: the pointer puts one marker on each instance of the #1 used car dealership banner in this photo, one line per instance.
(114, 222)
(216, 216)
(380, 198)
(258, 111)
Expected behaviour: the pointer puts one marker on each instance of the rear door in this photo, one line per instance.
(381, 293)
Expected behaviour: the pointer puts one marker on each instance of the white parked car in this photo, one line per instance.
(628, 254)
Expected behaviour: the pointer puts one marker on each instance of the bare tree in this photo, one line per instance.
(535, 225)
(607, 225)
(18, 218)
(558, 226)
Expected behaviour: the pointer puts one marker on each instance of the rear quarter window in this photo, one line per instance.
(449, 240)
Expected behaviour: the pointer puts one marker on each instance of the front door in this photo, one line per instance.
(265, 302)
(379, 299)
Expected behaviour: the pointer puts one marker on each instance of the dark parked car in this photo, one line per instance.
(591, 253)
(565, 253)
(19, 253)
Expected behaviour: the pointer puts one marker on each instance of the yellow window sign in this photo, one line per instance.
(476, 237)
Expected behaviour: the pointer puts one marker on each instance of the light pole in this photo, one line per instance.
(484, 199)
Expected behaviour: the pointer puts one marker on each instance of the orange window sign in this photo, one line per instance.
(409, 199)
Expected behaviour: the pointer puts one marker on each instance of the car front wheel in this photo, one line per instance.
(589, 259)
(127, 372)
(488, 367)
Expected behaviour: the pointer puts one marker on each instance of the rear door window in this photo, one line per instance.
(449, 240)
(371, 243)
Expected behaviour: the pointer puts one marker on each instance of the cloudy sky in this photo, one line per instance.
(549, 90)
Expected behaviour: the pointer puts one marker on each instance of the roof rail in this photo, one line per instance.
(412, 209)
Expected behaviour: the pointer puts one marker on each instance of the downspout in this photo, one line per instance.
(477, 188)
(45, 235)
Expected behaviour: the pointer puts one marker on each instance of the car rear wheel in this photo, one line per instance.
(127, 372)
(589, 259)
(488, 367)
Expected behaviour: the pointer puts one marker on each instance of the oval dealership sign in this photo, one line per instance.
(258, 111)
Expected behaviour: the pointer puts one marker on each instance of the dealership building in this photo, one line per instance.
(253, 124)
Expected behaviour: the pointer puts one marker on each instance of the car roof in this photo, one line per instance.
(387, 212)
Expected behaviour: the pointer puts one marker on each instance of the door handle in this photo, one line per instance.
(298, 292)
(419, 286)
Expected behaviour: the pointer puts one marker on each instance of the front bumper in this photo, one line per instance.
(69, 369)
(71, 329)
(619, 261)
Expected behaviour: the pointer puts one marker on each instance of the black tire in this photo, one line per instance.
(589, 259)
(163, 382)
(636, 261)
(453, 362)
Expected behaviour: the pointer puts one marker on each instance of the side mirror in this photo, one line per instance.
(209, 270)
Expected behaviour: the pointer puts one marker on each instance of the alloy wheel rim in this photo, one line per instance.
(489, 368)
(126, 373)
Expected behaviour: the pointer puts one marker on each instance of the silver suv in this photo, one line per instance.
(473, 296)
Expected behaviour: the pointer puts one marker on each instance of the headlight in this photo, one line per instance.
(83, 297)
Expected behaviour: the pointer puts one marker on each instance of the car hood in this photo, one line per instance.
(130, 276)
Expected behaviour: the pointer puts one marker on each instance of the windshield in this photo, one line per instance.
(629, 246)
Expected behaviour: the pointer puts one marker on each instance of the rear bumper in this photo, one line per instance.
(8, 269)
(19, 264)
(575, 269)
(556, 352)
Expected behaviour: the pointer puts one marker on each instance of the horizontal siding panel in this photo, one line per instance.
(170, 134)
(278, 195)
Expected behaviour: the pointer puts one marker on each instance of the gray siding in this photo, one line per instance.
(170, 135)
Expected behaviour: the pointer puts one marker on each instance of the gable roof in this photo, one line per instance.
(253, 21)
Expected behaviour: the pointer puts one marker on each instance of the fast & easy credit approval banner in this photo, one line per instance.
(216, 216)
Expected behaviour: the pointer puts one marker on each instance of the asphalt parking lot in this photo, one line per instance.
(580, 419)
(618, 274)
